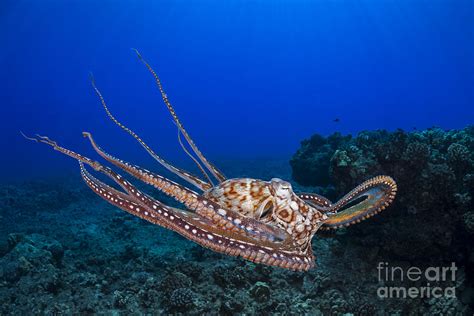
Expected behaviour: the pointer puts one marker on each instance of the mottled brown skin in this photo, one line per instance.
(261, 221)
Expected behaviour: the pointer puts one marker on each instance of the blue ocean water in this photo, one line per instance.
(248, 79)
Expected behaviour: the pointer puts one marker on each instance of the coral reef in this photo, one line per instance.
(431, 221)
(311, 162)
(182, 299)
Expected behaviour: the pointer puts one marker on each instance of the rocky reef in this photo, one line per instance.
(432, 219)
(63, 250)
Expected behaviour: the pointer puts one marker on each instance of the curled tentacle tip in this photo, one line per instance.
(86, 134)
(29, 138)
(45, 140)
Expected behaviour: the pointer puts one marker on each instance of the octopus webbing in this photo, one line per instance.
(262, 221)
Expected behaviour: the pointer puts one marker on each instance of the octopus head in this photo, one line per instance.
(281, 189)
(292, 214)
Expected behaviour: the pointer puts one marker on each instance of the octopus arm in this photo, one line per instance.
(319, 201)
(191, 225)
(366, 200)
(230, 221)
(227, 219)
(214, 171)
(194, 180)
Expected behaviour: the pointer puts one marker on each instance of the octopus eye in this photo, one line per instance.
(267, 212)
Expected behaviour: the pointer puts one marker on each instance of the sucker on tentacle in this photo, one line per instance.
(261, 221)
(192, 200)
(316, 199)
(379, 192)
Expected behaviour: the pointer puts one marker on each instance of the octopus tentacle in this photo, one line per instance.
(136, 171)
(322, 203)
(45, 140)
(192, 157)
(194, 180)
(218, 174)
(102, 188)
(119, 199)
(190, 225)
(227, 220)
(366, 200)
(194, 227)
(135, 201)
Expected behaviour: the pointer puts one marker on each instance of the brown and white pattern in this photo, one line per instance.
(261, 221)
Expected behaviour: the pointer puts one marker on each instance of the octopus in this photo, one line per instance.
(265, 222)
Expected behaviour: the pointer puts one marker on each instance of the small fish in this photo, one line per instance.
(336, 120)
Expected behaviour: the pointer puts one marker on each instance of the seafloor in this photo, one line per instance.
(63, 250)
